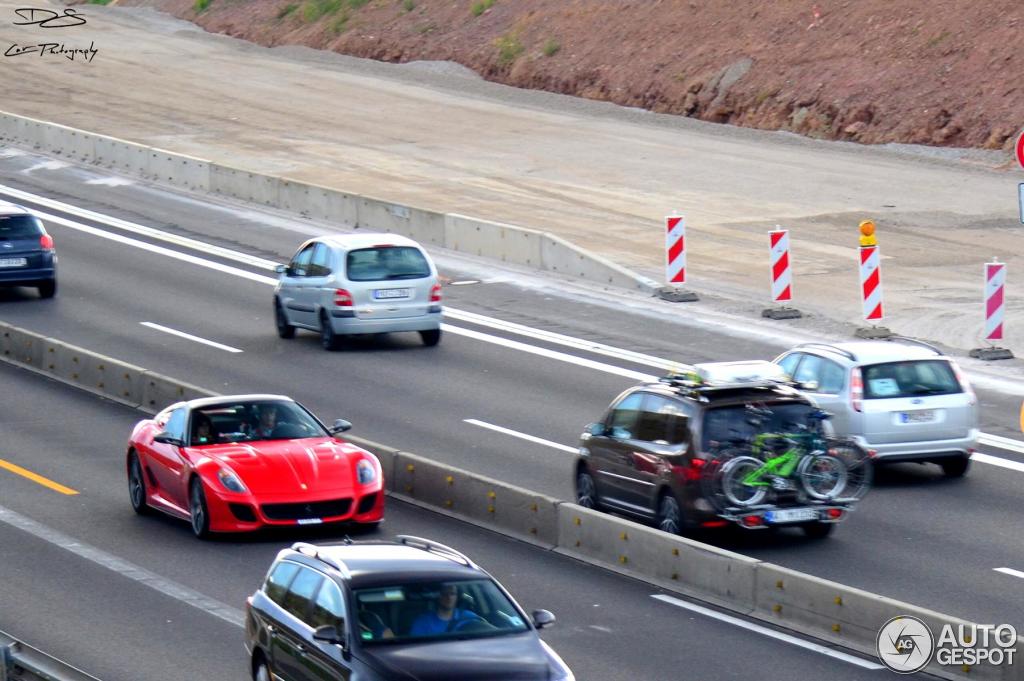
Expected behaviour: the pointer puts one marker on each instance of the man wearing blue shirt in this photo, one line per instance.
(445, 616)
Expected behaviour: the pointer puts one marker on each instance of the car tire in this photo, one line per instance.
(284, 329)
(670, 516)
(818, 530)
(137, 486)
(431, 337)
(328, 339)
(48, 289)
(199, 512)
(957, 467)
(586, 491)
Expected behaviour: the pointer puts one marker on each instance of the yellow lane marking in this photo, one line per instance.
(34, 477)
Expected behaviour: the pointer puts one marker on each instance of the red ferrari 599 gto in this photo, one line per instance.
(239, 463)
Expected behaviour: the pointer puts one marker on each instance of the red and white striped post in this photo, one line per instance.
(675, 261)
(781, 275)
(871, 282)
(995, 286)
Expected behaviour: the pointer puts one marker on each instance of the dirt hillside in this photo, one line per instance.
(938, 72)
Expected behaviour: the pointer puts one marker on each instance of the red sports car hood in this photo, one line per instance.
(307, 466)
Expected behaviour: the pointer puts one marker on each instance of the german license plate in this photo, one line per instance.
(919, 416)
(310, 521)
(390, 293)
(791, 515)
(13, 262)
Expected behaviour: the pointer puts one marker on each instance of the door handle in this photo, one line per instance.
(301, 650)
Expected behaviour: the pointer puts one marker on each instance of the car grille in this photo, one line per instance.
(243, 512)
(314, 509)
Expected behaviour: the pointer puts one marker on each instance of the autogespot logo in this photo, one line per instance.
(905, 645)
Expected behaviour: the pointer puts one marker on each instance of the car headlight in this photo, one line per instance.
(365, 472)
(231, 482)
(559, 670)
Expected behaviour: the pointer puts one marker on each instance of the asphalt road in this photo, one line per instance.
(130, 598)
(917, 537)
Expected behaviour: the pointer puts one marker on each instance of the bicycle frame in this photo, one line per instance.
(782, 465)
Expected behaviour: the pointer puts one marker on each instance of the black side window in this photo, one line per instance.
(623, 418)
(320, 265)
(300, 593)
(278, 581)
(176, 424)
(299, 265)
(329, 607)
(662, 421)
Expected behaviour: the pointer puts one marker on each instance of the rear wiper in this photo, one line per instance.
(406, 275)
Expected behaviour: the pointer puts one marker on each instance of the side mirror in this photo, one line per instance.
(331, 634)
(597, 429)
(543, 618)
(809, 386)
(340, 426)
(281, 269)
(167, 439)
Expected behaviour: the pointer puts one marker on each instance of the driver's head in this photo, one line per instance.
(449, 597)
(268, 415)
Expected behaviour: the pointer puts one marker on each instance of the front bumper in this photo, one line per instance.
(230, 512)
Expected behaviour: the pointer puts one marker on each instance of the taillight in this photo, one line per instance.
(46, 242)
(692, 472)
(342, 298)
(964, 383)
(834, 513)
(856, 389)
(435, 293)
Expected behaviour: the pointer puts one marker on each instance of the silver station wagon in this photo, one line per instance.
(347, 284)
(901, 398)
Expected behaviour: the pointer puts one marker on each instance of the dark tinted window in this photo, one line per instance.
(909, 379)
(19, 227)
(176, 424)
(300, 593)
(299, 266)
(662, 421)
(328, 607)
(382, 263)
(723, 425)
(320, 265)
(278, 581)
(623, 417)
(249, 421)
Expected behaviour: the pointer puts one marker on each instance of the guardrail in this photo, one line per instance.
(20, 662)
(507, 243)
(826, 610)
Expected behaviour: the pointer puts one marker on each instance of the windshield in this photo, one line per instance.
(909, 379)
(436, 611)
(19, 227)
(252, 421)
(735, 423)
(385, 263)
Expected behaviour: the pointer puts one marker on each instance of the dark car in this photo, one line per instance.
(651, 454)
(27, 256)
(408, 610)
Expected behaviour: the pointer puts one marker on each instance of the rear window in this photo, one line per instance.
(732, 424)
(385, 263)
(909, 379)
(19, 227)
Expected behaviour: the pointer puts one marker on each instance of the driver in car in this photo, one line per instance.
(268, 422)
(445, 616)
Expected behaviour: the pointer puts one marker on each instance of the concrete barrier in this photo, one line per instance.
(159, 391)
(672, 562)
(559, 255)
(178, 170)
(493, 239)
(484, 501)
(21, 346)
(241, 184)
(424, 226)
(94, 372)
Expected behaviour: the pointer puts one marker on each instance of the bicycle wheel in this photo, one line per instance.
(735, 490)
(822, 476)
(859, 468)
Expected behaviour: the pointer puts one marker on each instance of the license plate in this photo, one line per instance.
(13, 262)
(390, 293)
(919, 416)
(310, 521)
(791, 515)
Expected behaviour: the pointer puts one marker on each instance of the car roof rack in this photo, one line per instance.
(313, 551)
(435, 547)
(701, 379)
(914, 341)
(833, 348)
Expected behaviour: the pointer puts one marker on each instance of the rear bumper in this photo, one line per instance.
(355, 325)
(27, 277)
(928, 450)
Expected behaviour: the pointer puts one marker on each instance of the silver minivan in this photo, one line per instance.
(901, 398)
(347, 284)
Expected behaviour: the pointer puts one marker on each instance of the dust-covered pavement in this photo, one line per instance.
(598, 175)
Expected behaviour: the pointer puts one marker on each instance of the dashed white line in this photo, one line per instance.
(1010, 464)
(771, 633)
(1010, 571)
(188, 336)
(1001, 442)
(522, 436)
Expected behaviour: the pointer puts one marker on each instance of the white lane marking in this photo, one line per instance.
(111, 182)
(981, 457)
(131, 571)
(1001, 442)
(454, 313)
(1010, 571)
(522, 436)
(544, 352)
(771, 633)
(46, 165)
(197, 339)
(466, 282)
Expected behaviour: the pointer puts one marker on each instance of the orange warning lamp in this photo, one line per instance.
(867, 233)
